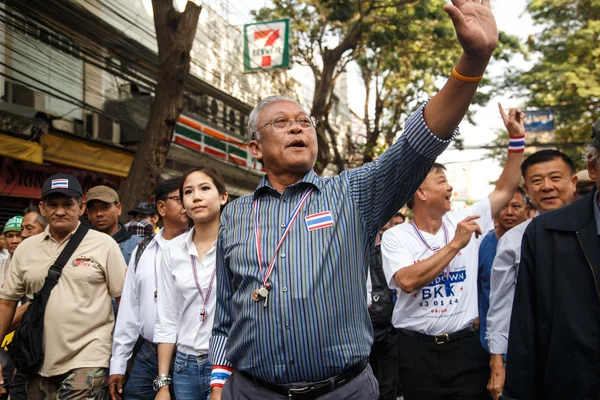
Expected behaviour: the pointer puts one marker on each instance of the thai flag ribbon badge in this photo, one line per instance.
(319, 220)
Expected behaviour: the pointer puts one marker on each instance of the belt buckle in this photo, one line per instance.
(294, 391)
(441, 339)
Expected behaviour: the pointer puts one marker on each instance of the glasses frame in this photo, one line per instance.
(312, 119)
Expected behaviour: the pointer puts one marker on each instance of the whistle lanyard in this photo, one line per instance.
(446, 272)
(204, 296)
(286, 231)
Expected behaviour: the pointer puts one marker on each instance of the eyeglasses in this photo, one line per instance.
(281, 124)
(176, 198)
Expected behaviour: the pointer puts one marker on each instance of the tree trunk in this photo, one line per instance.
(324, 89)
(175, 33)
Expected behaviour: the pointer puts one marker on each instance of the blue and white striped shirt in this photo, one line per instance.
(316, 323)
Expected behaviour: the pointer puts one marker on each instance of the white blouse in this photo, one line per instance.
(182, 317)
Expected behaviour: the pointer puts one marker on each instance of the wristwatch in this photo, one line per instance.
(161, 380)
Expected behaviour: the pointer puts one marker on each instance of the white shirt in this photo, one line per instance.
(137, 311)
(179, 302)
(431, 310)
(4, 263)
(503, 281)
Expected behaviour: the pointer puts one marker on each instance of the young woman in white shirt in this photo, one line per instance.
(186, 285)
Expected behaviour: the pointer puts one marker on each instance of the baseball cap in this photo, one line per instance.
(596, 134)
(13, 224)
(62, 183)
(102, 193)
(144, 208)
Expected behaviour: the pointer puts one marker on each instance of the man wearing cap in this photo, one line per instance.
(12, 233)
(144, 210)
(554, 328)
(78, 320)
(103, 211)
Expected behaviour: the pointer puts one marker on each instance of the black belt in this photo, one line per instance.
(314, 389)
(443, 338)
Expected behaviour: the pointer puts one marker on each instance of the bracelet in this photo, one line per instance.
(516, 144)
(468, 79)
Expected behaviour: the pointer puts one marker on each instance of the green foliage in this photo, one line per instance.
(408, 61)
(566, 75)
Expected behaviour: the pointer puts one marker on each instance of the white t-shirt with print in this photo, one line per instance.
(436, 309)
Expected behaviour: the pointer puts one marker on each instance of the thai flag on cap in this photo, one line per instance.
(59, 184)
(319, 220)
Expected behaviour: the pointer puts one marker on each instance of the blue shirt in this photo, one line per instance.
(487, 252)
(316, 323)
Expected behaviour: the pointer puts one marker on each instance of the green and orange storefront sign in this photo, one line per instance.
(200, 137)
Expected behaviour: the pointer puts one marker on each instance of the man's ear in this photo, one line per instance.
(255, 150)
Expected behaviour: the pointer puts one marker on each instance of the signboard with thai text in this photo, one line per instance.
(541, 120)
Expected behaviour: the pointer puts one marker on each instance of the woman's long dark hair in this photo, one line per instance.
(212, 174)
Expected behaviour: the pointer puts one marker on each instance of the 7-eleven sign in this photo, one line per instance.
(266, 45)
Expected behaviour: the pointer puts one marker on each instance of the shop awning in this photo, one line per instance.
(90, 156)
(20, 149)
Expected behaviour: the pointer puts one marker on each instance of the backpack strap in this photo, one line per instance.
(141, 247)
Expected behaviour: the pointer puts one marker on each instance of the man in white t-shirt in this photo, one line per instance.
(434, 261)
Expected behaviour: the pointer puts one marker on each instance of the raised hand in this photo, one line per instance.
(465, 230)
(514, 121)
(475, 26)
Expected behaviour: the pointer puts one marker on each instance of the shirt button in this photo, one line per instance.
(283, 225)
(287, 325)
(284, 289)
(282, 255)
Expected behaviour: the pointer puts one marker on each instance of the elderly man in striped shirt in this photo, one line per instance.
(291, 318)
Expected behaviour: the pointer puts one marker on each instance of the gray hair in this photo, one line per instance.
(592, 154)
(253, 118)
(39, 218)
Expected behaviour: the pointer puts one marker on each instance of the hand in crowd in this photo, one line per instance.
(475, 26)
(115, 386)
(496, 382)
(464, 231)
(514, 121)
(163, 393)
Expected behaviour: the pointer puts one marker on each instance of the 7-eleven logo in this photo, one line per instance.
(271, 36)
(266, 45)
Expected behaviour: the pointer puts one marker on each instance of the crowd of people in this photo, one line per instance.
(316, 287)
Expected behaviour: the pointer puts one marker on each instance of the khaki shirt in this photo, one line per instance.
(79, 318)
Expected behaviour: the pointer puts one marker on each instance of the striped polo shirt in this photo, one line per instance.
(316, 323)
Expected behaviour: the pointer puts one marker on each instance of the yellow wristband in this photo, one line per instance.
(468, 79)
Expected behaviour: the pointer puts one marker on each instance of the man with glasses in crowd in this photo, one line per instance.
(291, 314)
(137, 314)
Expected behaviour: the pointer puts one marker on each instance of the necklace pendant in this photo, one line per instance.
(155, 296)
(255, 295)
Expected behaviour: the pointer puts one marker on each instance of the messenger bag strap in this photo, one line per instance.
(55, 270)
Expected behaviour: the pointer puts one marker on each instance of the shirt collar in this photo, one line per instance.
(48, 236)
(158, 239)
(310, 179)
(191, 247)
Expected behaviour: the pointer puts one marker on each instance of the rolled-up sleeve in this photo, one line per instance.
(380, 188)
(127, 327)
(167, 310)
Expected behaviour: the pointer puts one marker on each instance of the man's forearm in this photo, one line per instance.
(422, 273)
(7, 313)
(447, 108)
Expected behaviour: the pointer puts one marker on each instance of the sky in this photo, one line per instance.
(510, 18)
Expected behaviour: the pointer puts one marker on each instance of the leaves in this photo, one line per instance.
(566, 75)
